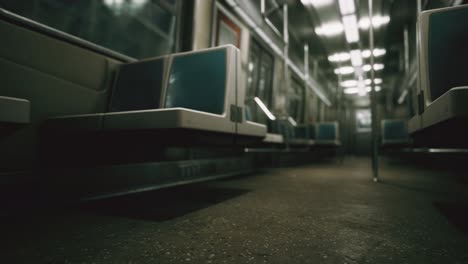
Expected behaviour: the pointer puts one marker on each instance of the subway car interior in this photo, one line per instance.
(234, 131)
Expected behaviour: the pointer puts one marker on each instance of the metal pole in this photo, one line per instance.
(286, 45)
(373, 95)
(406, 49)
(306, 62)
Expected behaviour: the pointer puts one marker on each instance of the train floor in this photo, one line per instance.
(321, 213)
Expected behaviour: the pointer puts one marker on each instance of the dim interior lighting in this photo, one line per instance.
(349, 83)
(376, 81)
(264, 108)
(377, 21)
(377, 67)
(251, 66)
(347, 7)
(292, 121)
(356, 58)
(377, 53)
(312, 84)
(353, 90)
(339, 57)
(361, 91)
(113, 2)
(329, 29)
(377, 89)
(317, 3)
(344, 70)
(351, 28)
(366, 53)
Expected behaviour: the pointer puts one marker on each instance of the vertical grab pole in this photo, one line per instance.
(306, 79)
(373, 95)
(286, 43)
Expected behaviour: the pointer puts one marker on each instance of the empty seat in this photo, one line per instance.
(193, 91)
(394, 132)
(302, 136)
(327, 133)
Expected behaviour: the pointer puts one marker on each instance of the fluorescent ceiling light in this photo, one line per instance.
(377, 21)
(349, 83)
(377, 67)
(317, 3)
(347, 7)
(356, 58)
(362, 91)
(366, 68)
(377, 53)
(351, 28)
(376, 81)
(377, 89)
(339, 57)
(292, 121)
(344, 70)
(264, 108)
(329, 29)
(353, 90)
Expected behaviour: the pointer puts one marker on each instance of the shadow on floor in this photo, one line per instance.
(163, 205)
(456, 213)
(413, 188)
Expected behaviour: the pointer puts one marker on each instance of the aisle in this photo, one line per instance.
(326, 213)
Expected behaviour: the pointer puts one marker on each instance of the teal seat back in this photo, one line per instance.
(198, 81)
(327, 131)
(394, 130)
(138, 86)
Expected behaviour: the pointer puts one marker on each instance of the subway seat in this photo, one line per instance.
(195, 91)
(394, 132)
(327, 134)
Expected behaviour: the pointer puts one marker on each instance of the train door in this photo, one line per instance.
(259, 82)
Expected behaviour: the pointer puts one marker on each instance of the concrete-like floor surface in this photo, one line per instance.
(327, 213)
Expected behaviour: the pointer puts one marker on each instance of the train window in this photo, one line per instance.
(136, 28)
(259, 81)
(296, 100)
(227, 32)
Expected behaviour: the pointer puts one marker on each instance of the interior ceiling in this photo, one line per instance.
(304, 19)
